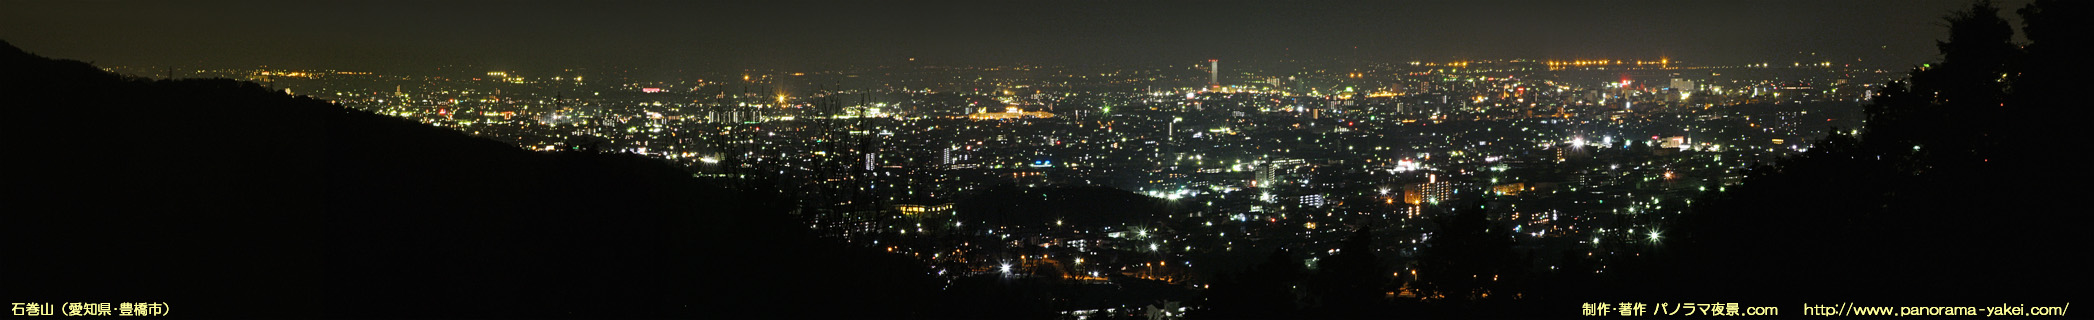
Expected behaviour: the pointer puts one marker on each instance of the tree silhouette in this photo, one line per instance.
(1266, 291)
(1960, 158)
(1350, 283)
(1468, 258)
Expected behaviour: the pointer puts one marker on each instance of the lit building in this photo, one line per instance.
(1271, 174)
(1510, 189)
(1432, 190)
(1313, 200)
(1673, 142)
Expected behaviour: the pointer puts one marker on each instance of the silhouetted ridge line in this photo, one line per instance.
(1953, 192)
(228, 199)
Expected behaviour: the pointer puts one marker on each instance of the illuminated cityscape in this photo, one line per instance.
(1303, 184)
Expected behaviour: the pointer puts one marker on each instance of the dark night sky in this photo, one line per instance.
(390, 35)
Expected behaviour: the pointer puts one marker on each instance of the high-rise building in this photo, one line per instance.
(1431, 191)
(1270, 174)
(1214, 73)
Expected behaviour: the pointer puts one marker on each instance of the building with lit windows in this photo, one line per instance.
(1431, 191)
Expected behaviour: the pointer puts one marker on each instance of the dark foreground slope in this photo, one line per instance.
(1967, 186)
(226, 199)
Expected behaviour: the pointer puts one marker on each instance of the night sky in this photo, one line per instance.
(726, 35)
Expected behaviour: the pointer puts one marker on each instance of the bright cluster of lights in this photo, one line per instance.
(1559, 64)
(1171, 195)
(1406, 165)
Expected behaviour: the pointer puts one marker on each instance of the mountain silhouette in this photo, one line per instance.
(224, 198)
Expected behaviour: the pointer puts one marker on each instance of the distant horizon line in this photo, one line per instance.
(1252, 63)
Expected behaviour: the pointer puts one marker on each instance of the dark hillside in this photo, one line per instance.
(224, 198)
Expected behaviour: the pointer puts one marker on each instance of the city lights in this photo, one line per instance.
(1038, 158)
